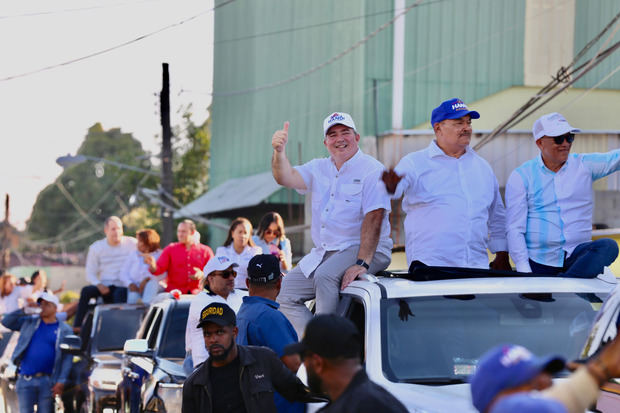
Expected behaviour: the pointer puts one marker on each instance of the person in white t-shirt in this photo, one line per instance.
(219, 286)
(350, 226)
(239, 248)
(104, 263)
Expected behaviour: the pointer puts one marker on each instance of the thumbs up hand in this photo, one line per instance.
(280, 138)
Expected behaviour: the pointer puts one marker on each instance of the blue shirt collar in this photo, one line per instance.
(254, 299)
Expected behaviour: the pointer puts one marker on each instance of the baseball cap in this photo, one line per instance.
(507, 366)
(263, 268)
(452, 109)
(49, 297)
(338, 118)
(552, 124)
(218, 263)
(218, 313)
(329, 336)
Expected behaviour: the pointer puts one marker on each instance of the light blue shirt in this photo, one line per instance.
(550, 213)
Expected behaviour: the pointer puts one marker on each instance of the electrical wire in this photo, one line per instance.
(112, 48)
(324, 64)
(76, 9)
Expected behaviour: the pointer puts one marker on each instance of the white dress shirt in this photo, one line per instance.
(340, 201)
(194, 339)
(104, 262)
(453, 206)
(550, 213)
(135, 269)
(240, 259)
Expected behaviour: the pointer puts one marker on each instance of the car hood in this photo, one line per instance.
(433, 399)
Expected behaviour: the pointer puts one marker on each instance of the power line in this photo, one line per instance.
(75, 9)
(112, 48)
(324, 64)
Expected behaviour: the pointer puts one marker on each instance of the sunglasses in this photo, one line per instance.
(226, 274)
(269, 232)
(569, 137)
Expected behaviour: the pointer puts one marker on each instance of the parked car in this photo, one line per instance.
(423, 334)
(152, 370)
(103, 335)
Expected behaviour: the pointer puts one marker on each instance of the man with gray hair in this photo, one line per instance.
(103, 268)
(350, 226)
(549, 205)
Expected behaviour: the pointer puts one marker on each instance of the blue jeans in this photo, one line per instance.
(586, 261)
(37, 390)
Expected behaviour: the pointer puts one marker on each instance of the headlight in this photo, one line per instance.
(105, 379)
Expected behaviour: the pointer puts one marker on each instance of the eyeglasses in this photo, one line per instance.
(569, 137)
(226, 274)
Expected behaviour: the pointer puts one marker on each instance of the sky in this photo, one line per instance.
(46, 114)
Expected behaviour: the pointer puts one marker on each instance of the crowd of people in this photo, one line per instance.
(250, 294)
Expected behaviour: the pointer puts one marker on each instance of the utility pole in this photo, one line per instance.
(166, 159)
(5, 254)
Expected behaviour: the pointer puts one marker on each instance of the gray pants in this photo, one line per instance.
(323, 284)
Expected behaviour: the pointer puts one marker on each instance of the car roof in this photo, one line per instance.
(401, 288)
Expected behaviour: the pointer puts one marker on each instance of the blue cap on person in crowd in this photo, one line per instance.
(504, 367)
(452, 109)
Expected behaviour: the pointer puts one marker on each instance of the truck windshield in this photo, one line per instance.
(115, 326)
(438, 340)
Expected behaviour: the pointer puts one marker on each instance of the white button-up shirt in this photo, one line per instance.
(194, 339)
(340, 201)
(453, 206)
(242, 260)
(550, 213)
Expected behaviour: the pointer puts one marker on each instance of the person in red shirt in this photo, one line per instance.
(183, 260)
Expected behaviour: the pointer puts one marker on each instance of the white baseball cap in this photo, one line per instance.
(338, 118)
(218, 263)
(49, 297)
(552, 124)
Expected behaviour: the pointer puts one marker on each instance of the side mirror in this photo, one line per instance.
(137, 347)
(71, 344)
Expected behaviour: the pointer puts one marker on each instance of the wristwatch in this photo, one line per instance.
(362, 263)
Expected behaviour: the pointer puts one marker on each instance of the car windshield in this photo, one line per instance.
(172, 345)
(438, 340)
(115, 327)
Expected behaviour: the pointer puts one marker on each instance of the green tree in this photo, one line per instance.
(72, 210)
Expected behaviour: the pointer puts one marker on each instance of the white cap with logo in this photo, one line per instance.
(338, 118)
(49, 297)
(218, 263)
(552, 124)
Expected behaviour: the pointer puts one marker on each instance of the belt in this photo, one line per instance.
(28, 377)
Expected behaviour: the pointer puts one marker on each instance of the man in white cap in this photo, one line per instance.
(219, 286)
(350, 226)
(549, 205)
(43, 368)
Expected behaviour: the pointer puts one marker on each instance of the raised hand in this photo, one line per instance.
(391, 179)
(280, 138)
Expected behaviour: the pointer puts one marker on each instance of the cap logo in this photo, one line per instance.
(259, 265)
(222, 259)
(335, 117)
(212, 311)
(459, 105)
(514, 355)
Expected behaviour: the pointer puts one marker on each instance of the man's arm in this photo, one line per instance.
(369, 238)
(287, 383)
(516, 222)
(602, 164)
(283, 172)
(14, 320)
(159, 266)
(497, 232)
(92, 265)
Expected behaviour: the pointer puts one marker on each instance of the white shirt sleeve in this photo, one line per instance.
(497, 223)
(516, 222)
(405, 170)
(374, 194)
(92, 264)
(306, 171)
(195, 341)
(128, 269)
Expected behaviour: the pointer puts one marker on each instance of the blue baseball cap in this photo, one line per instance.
(452, 109)
(504, 367)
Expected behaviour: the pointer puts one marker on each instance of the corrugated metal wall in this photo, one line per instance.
(590, 18)
(454, 48)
